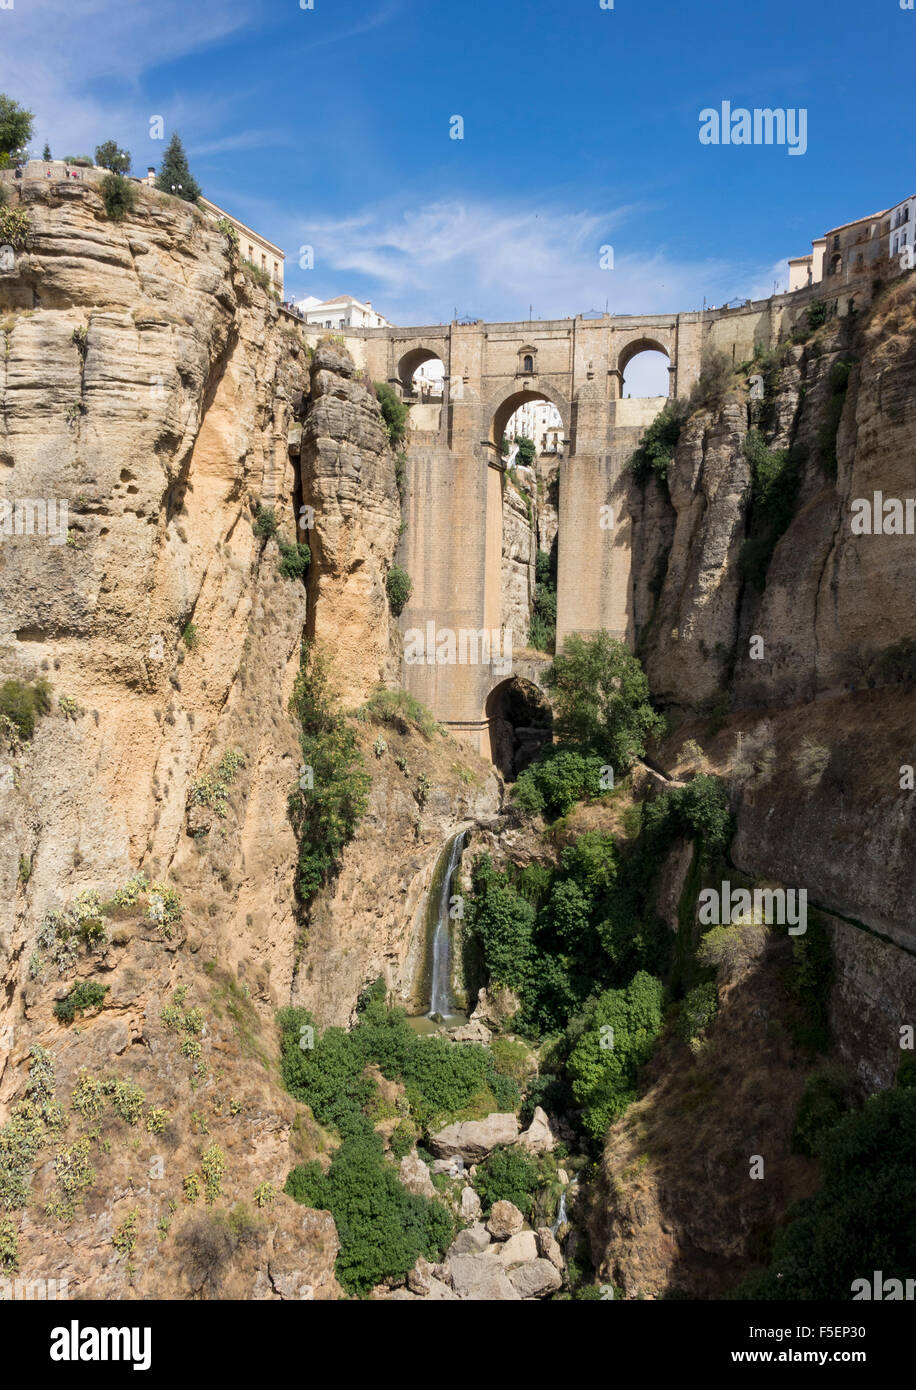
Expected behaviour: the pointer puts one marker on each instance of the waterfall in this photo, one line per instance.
(441, 937)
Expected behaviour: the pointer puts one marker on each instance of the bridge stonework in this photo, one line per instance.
(452, 545)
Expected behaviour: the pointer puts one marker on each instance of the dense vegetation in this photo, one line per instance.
(326, 807)
(600, 697)
(864, 1216)
(399, 587)
(382, 1227)
(558, 936)
(542, 631)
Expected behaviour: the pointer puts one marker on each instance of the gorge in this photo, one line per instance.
(236, 824)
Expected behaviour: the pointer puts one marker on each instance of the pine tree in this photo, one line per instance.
(174, 174)
(46, 152)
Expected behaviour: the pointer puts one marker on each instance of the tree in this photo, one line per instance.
(109, 156)
(46, 152)
(174, 174)
(601, 698)
(15, 125)
(118, 195)
(526, 450)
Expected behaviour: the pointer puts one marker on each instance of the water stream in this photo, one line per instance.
(440, 929)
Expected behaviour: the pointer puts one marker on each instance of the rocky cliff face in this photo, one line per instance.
(147, 383)
(348, 478)
(794, 662)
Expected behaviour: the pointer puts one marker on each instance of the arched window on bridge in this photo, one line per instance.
(422, 376)
(528, 364)
(644, 368)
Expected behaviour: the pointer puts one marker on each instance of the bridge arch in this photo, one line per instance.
(413, 359)
(636, 347)
(503, 406)
(519, 722)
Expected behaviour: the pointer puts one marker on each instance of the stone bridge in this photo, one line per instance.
(453, 543)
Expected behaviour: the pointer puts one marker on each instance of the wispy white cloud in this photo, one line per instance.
(497, 259)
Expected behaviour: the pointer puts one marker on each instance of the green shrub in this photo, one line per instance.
(698, 1010)
(400, 710)
(257, 273)
(775, 475)
(403, 1138)
(190, 637)
(23, 703)
(119, 196)
(213, 788)
(399, 587)
(556, 781)
(508, 1175)
(83, 996)
(265, 522)
(829, 1094)
(655, 451)
(603, 1065)
(542, 630)
(324, 816)
(383, 1228)
(15, 224)
(394, 413)
(295, 558)
(712, 387)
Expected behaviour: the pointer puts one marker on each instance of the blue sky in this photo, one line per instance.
(330, 127)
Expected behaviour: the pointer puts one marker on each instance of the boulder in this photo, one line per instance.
(535, 1279)
(495, 1006)
(470, 1241)
(452, 1167)
(471, 1033)
(474, 1139)
(470, 1204)
(416, 1177)
(517, 1250)
(505, 1220)
(479, 1277)
(549, 1247)
(538, 1138)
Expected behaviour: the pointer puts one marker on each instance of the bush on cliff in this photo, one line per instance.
(655, 451)
(334, 786)
(399, 587)
(119, 196)
(394, 413)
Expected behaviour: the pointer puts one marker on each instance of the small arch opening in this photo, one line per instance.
(520, 722)
(644, 371)
(422, 376)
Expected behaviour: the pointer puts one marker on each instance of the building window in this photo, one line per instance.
(276, 270)
(250, 251)
(836, 243)
(528, 364)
